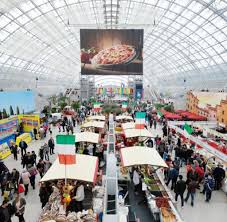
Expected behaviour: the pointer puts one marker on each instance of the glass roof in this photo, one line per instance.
(40, 38)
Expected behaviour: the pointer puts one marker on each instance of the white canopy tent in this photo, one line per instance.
(139, 155)
(102, 118)
(122, 117)
(130, 125)
(95, 124)
(129, 133)
(85, 169)
(87, 137)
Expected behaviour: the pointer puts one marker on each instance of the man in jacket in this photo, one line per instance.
(219, 175)
(23, 146)
(180, 189)
(15, 178)
(51, 145)
(173, 174)
(5, 212)
(192, 185)
(209, 184)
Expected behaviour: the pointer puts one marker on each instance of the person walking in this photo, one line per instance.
(43, 194)
(15, 175)
(51, 145)
(34, 157)
(6, 211)
(219, 175)
(180, 189)
(136, 181)
(46, 151)
(23, 146)
(173, 174)
(35, 132)
(209, 185)
(41, 153)
(33, 171)
(14, 152)
(25, 175)
(40, 167)
(192, 185)
(155, 123)
(19, 206)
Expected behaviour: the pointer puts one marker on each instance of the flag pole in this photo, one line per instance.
(65, 171)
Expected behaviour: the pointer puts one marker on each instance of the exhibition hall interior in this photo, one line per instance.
(113, 110)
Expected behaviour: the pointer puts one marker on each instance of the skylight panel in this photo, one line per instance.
(23, 19)
(40, 2)
(11, 27)
(46, 8)
(34, 13)
(195, 6)
(59, 3)
(3, 35)
(15, 12)
(4, 21)
(26, 6)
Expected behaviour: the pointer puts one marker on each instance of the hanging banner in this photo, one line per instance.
(29, 122)
(111, 51)
(8, 127)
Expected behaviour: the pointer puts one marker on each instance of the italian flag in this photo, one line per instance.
(159, 114)
(140, 120)
(97, 106)
(65, 146)
(124, 106)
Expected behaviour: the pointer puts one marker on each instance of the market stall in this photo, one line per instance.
(130, 125)
(97, 117)
(124, 118)
(64, 179)
(85, 169)
(149, 164)
(93, 126)
(87, 137)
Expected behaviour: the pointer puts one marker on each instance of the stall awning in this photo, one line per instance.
(87, 137)
(103, 118)
(137, 133)
(128, 125)
(139, 155)
(96, 124)
(85, 169)
(123, 118)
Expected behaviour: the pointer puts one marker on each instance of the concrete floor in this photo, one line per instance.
(202, 211)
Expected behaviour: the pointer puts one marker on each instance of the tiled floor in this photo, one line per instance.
(215, 211)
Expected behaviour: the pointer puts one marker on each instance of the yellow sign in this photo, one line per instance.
(29, 122)
(4, 151)
(26, 137)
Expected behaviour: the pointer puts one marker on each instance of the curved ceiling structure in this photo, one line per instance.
(184, 40)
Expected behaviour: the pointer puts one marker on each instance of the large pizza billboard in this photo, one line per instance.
(111, 51)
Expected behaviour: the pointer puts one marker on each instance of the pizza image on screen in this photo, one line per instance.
(116, 55)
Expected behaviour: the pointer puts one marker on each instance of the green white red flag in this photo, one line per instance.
(140, 120)
(65, 146)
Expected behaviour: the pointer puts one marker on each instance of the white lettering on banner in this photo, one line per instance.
(210, 149)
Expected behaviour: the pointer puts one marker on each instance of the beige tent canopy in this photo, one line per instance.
(122, 117)
(96, 124)
(130, 125)
(85, 169)
(103, 118)
(87, 137)
(139, 155)
(129, 133)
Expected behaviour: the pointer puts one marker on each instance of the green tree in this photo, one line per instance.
(18, 110)
(4, 113)
(76, 105)
(0, 114)
(11, 111)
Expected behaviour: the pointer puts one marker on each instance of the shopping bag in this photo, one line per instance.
(21, 188)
